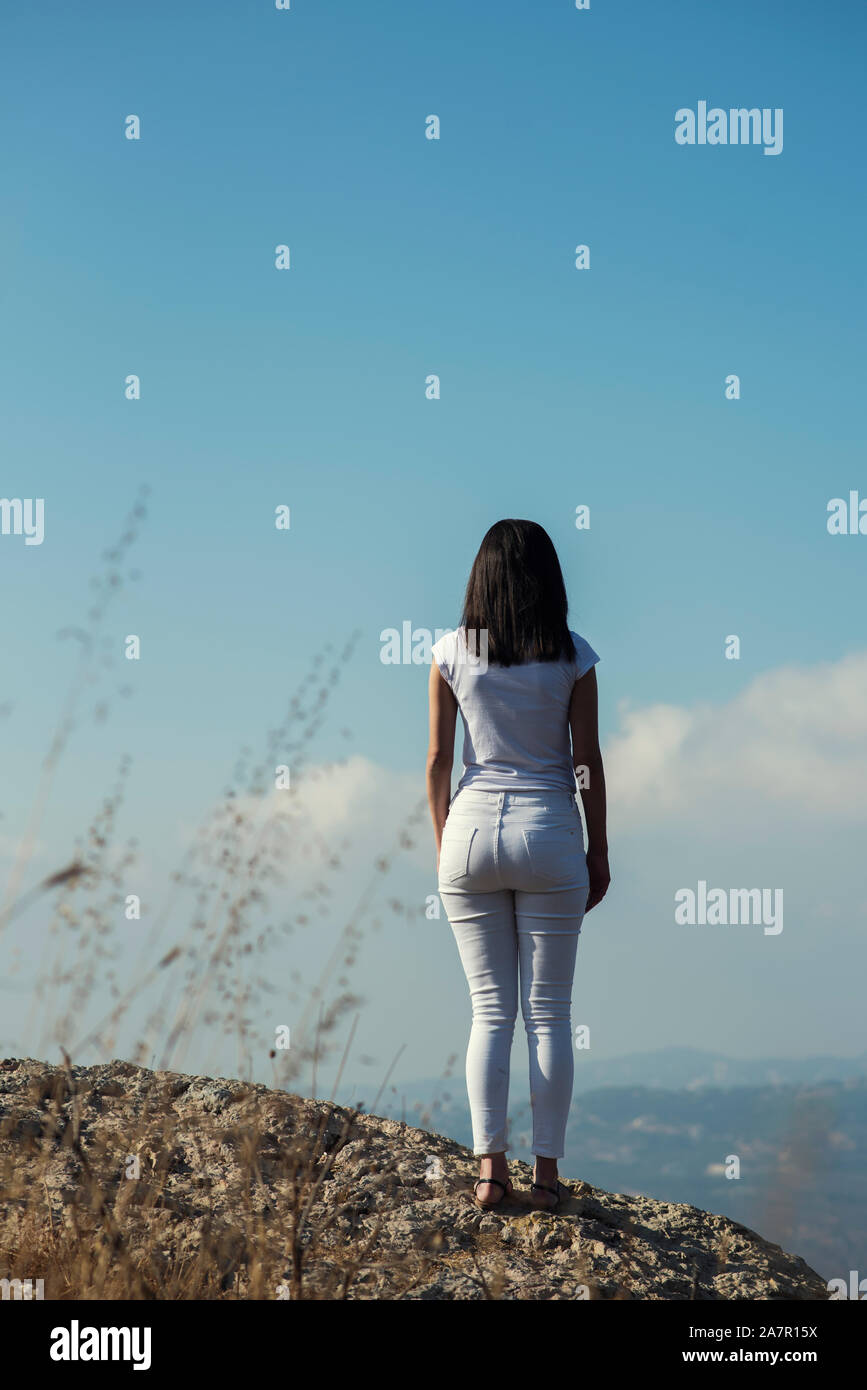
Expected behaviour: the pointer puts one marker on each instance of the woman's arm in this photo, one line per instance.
(584, 726)
(441, 750)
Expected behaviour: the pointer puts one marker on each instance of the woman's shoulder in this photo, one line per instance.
(457, 649)
(585, 656)
(445, 650)
(446, 642)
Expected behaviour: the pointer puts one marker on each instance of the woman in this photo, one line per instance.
(513, 874)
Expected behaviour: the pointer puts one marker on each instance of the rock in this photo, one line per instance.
(119, 1182)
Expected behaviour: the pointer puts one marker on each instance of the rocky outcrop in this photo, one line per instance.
(119, 1182)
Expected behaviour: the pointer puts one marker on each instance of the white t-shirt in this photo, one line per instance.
(516, 718)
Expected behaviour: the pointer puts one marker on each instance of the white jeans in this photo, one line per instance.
(513, 880)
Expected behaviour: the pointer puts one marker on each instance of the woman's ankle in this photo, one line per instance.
(493, 1166)
(545, 1169)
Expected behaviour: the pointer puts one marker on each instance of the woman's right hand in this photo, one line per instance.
(600, 877)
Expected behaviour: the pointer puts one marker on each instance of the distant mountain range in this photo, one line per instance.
(671, 1068)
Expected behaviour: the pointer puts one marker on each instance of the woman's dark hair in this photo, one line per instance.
(516, 594)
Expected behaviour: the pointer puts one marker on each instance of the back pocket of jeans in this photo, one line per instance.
(455, 853)
(557, 855)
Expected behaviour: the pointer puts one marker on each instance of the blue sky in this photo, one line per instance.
(306, 387)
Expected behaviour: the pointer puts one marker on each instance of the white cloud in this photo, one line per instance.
(352, 803)
(343, 796)
(793, 742)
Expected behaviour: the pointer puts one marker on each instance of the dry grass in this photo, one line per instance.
(202, 972)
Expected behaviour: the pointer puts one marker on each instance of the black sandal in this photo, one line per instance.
(557, 1191)
(489, 1206)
